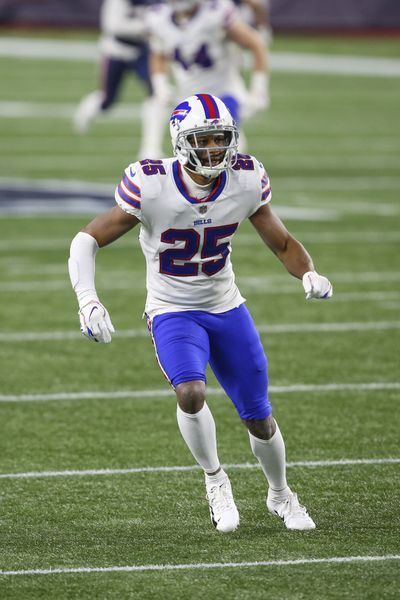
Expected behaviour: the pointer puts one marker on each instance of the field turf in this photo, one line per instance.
(90, 453)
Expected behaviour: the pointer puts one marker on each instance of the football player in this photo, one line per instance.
(198, 41)
(124, 49)
(257, 14)
(189, 208)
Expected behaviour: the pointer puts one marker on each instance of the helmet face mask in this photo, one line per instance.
(204, 145)
(209, 149)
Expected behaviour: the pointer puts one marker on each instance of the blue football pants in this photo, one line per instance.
(187, 341)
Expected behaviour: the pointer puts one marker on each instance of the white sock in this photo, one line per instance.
(198, 431)
(89, 108)
(272, 458)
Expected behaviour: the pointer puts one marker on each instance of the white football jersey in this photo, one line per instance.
(122, 26)
(187, 241)
(201, 54)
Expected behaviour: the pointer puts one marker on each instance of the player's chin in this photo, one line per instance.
(216, 160)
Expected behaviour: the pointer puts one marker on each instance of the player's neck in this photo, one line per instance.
(199, 179)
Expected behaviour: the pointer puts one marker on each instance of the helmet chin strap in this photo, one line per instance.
(206, 171)
(203, 173)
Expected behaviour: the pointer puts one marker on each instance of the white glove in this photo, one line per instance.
(162, 89)
(316, 286)
(258, 98)
(95, 322)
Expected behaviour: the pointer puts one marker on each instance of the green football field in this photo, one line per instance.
(99, 496)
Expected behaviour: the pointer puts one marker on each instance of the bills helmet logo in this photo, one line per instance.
(180, 113)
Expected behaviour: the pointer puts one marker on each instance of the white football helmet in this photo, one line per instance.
(204, 135)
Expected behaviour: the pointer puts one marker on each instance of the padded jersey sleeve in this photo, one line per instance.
(264, 190)
(128, 193)
(121, 19)
(155, 19)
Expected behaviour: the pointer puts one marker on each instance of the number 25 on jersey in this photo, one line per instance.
(178, 261)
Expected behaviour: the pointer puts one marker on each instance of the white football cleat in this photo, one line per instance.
(89, 107)
(292, 513)
(223, 511)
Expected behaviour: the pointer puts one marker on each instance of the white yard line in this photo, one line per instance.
(334, 65)
(17, 266)
(179, 468)
(40, 110)
(34, 48)
(338, 276)
(167, 392)
(287, 183)
(341, 327)
(204, 566)
(21, 183)
(259, 285)
(87, 51)
(242, 240)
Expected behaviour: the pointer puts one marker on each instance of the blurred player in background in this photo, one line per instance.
(124, 49)
(256, 13)
(189, 209)
(195, 39)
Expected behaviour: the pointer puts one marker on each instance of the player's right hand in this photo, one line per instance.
(95, 322)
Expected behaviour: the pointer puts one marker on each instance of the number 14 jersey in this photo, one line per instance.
(187, 241)
(201, 53)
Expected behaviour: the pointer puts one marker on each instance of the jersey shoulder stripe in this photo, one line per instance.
(126, 197)
(266, 194)
(128, 192)
(265, 186)
(135, 189)
(266, 190)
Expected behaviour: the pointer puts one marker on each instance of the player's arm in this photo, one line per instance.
(159, 73)
(275, 235)
(290, 252)
(260, 11)
(94, 318)
(248, 38)
(108, 227)
(158, 63)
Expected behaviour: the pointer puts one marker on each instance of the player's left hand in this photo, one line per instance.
(95, 322)
(162, 89)
(256, 103)
(316, 286)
